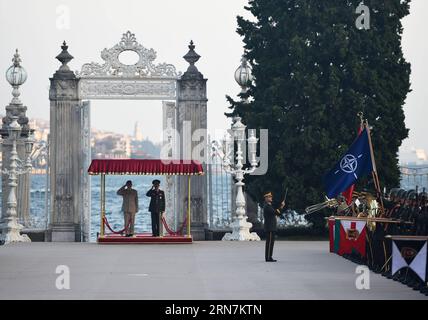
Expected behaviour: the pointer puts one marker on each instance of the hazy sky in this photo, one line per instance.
(167, 26)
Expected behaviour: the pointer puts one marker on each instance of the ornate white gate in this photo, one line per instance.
(70, 119)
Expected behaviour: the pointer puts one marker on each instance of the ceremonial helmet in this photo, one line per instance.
(412, 195)
(393, 192)
(423, 196)
(401, 194)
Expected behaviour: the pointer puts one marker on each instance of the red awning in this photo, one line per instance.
(145, 167)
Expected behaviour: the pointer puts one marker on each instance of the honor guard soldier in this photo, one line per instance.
(389, 203)
(422, 220)
(405, 212)
(157, 206)
(270, 215)
(342, 209)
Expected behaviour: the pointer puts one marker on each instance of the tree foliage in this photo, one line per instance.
(314, 70)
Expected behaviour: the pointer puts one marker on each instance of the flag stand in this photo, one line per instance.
(374, 172)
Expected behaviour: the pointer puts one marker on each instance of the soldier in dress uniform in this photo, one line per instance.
(389, 203)
(129, 206)
(405, 212)
(422, 220)
(157, 206)
(342, 209)
(270, 215)
(413, 213)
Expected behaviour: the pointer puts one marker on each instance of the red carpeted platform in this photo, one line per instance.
(142, 238)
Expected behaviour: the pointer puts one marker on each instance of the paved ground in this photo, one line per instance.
(202, 270)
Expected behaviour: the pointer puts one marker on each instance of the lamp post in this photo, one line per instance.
(234, 164)
(9, 226)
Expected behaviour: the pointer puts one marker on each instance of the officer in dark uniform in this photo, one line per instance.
(406, 211)
(157, 206)
(270, 214)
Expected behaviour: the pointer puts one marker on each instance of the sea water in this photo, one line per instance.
(221, 208)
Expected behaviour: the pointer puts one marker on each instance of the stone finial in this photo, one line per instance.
(64, 57)
(192, 57)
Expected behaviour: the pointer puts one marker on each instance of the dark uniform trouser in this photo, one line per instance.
(155, 223)
(270, 240)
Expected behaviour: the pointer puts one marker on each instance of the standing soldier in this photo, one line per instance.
(342, 209)
(129, 206)
(270, 214)
(422, 220)
(156, 207)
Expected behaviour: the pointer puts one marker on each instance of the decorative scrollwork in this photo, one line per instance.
(112, 67)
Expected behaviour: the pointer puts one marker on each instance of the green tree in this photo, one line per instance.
(314, 70)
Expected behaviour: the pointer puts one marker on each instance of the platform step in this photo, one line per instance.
(142, 239)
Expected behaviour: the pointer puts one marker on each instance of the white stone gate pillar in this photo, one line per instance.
(191, 116)
(65, 153)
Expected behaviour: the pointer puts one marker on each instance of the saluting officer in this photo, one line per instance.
(129, 206)
(157, 206)
(270, 214)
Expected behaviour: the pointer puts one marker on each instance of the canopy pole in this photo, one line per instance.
(188, 206)
(103, 203)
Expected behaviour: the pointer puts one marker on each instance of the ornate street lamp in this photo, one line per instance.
(10, 228)
(16, 76)
(240, 226)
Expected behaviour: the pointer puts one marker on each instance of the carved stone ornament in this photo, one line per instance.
(148, 89)
(143, 68)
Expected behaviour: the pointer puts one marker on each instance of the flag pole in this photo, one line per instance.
(374, 172)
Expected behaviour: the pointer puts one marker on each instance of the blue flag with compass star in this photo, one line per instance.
(355, 164)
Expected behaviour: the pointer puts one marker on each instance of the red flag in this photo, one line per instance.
(348, 193)
(352, 237)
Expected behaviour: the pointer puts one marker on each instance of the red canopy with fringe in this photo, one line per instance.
(145, 167)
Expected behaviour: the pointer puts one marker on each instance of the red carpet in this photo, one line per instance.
(142, 238)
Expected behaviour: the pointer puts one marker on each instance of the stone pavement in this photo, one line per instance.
(202, 270)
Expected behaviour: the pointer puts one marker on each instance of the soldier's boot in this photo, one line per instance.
(417, 286)
(396, 277)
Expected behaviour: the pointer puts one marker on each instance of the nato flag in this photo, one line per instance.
(354, 164)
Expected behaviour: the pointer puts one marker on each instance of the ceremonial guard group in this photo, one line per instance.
(396, 229)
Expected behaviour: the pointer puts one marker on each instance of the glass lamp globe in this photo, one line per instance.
(16, 74)
(243, 74)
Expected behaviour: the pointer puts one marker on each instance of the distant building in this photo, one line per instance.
(411, 156)
(138, 134)
(104, 145)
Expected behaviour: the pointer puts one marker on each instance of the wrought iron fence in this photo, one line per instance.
(220, 184)
(414, 176)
